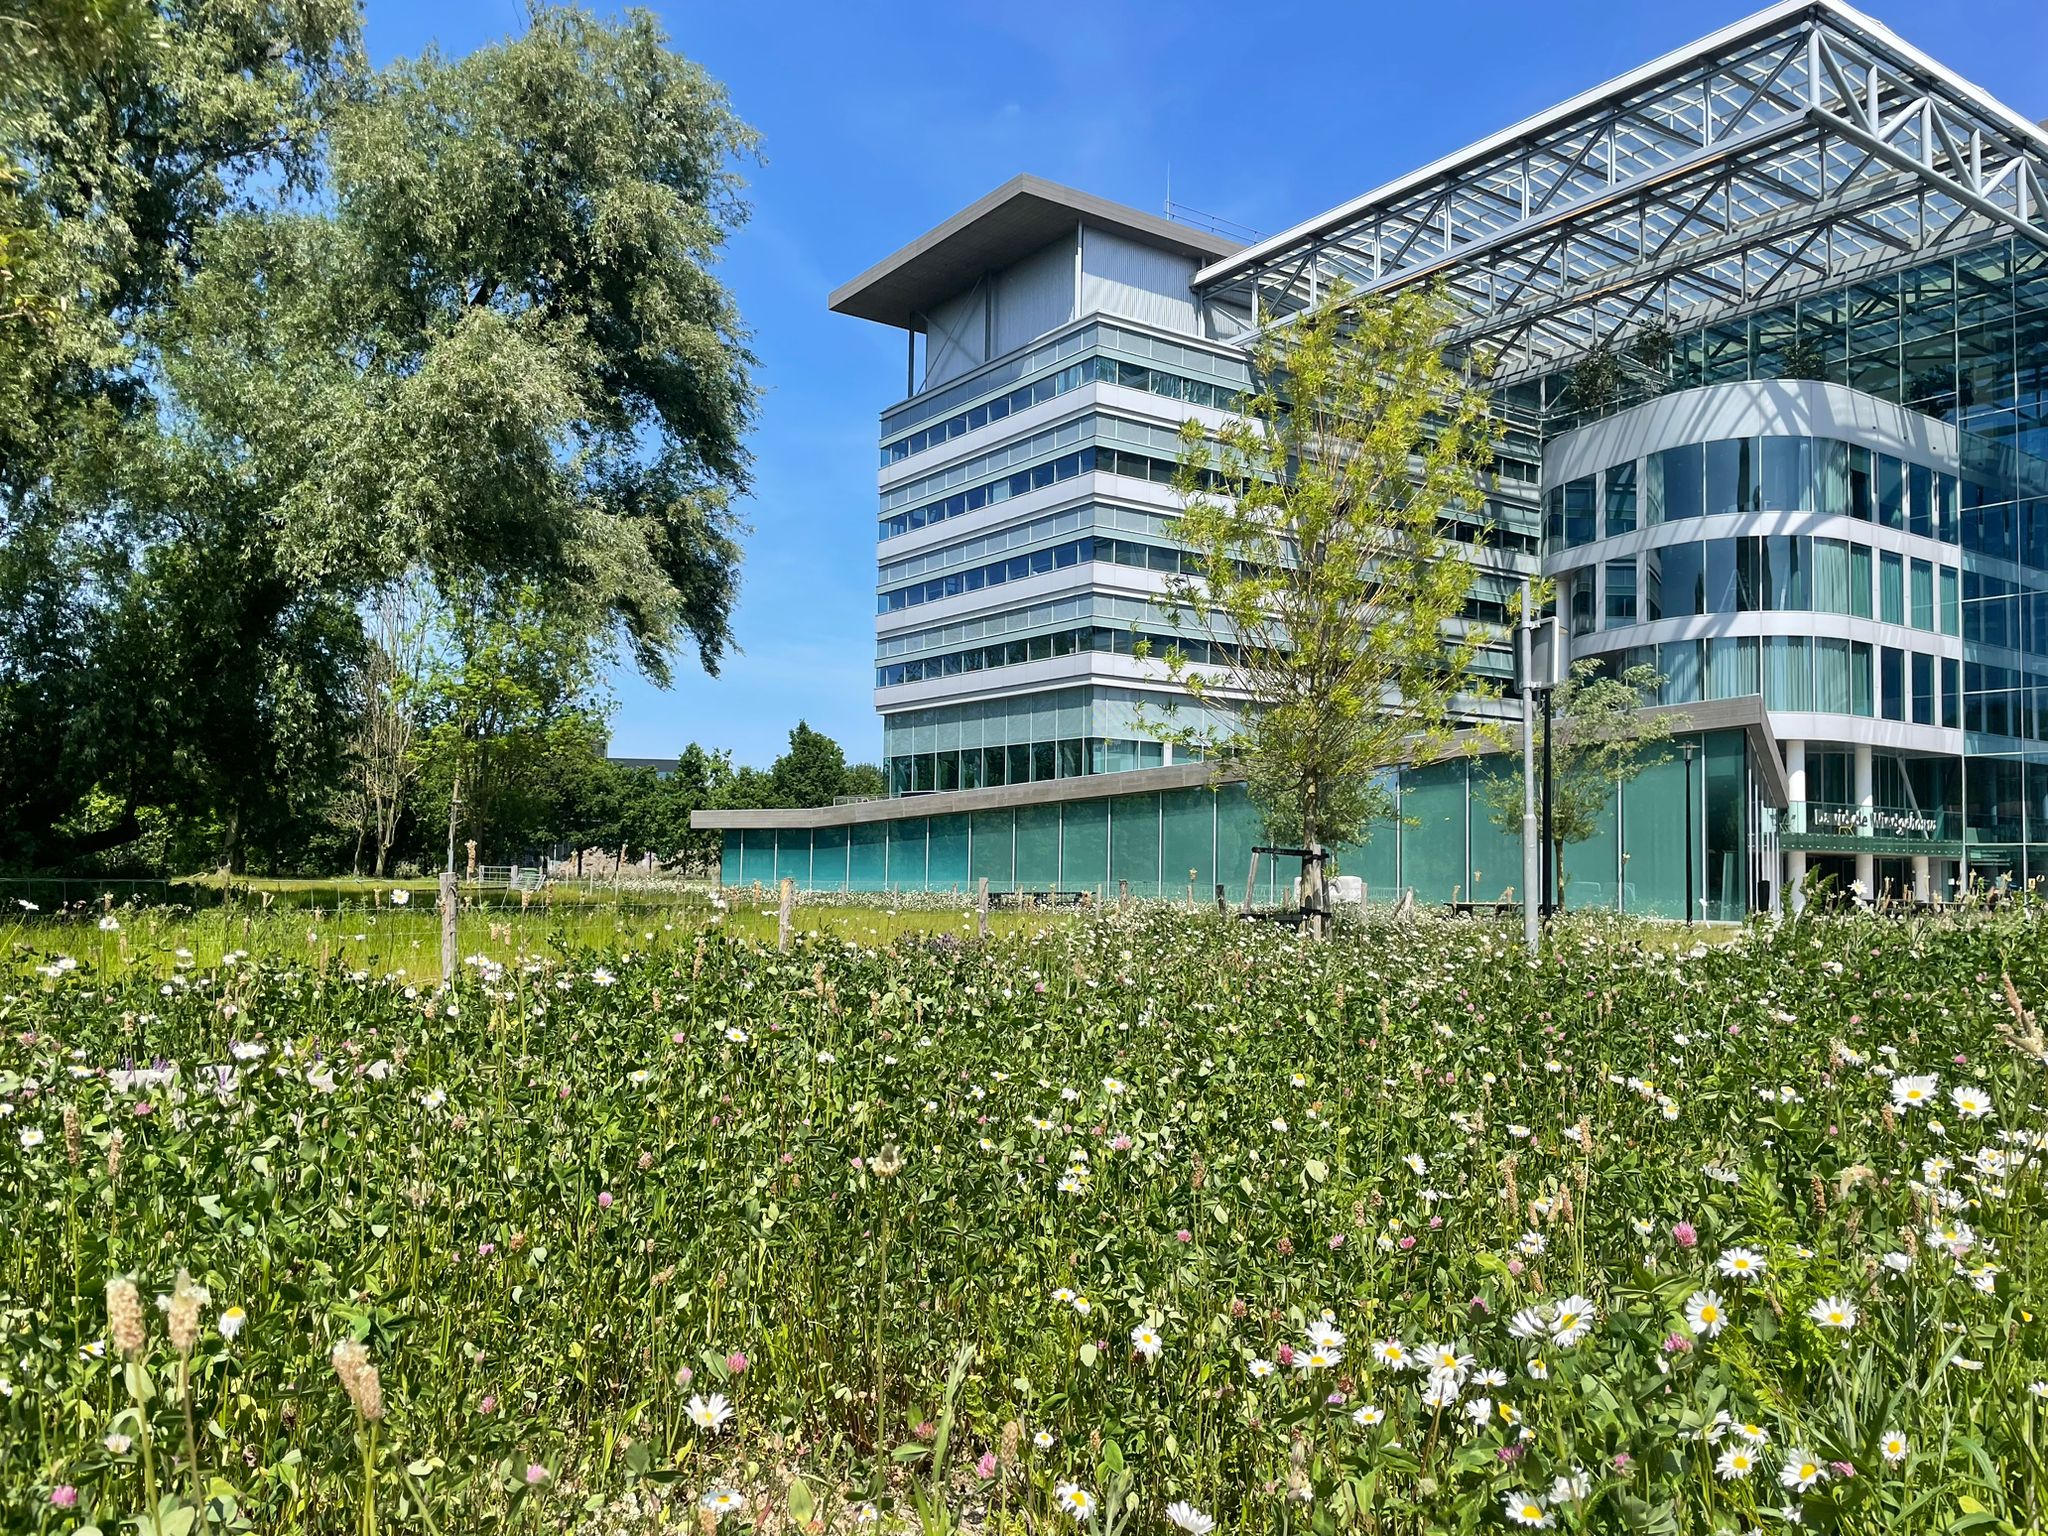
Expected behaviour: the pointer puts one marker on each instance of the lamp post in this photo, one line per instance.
(1549, 872)
(1532, 858)
(1688, 834)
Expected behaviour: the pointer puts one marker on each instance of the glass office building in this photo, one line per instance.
(1766, 322)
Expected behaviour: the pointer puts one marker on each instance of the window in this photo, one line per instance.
(1788, 677)
(1923, 689)
(1621, 593)
(1891, 492)
(1731, 667)
(1951, 603)
(1677, 581)
(1951, 691)
(1859, 483)
(1787, 474)
(1621, 499)
(1860, 693)
(1921, 593)
(1859, 581)
(1920, 500)
(1731, 476)
(1674, 485)
(1830, 576)
(1787, 575)
(1579, 600)
(1831, 690)
(1891, 589)
(1721, 576)
(1679, 662)
(1891, 683)
(1579, 527)
(1831, 477)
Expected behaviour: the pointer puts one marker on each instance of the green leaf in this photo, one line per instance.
(802, 1506)
(1088, 1353)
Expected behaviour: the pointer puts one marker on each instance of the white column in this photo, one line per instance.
(1795, 861)
(1866, 863)
(1923, 883)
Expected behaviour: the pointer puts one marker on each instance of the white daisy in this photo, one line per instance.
(1741, 1264)
(1706, 1314)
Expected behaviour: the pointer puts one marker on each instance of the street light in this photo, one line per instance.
(1688, 746)
(1549, 873)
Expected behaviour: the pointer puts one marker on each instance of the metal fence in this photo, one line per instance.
(69, 893)
(498, 887)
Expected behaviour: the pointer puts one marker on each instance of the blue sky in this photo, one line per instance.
(879, 120)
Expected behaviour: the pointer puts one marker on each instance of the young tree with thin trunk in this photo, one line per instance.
(392, 682)
(1600, 737)
(1322, 588)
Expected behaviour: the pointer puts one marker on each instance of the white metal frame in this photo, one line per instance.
(1795, 150)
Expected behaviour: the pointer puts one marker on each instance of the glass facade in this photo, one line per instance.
(1874, 578)
(1926, 575)
(1444, 845)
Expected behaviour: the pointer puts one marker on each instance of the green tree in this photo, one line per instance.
(865, 781)
(1321, 584)
(811, 772)
(454, 321)
(130, 657)
(1600, 738)
(510, 707)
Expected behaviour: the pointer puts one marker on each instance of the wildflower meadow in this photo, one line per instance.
(1136, 1221)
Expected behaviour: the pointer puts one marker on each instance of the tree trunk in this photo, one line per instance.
(1314, 906)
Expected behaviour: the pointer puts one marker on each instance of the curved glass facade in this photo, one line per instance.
(1844, 575)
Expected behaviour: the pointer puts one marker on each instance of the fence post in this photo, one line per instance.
(981, 906)
(448, 945)
(1123, 892)
(782, 919)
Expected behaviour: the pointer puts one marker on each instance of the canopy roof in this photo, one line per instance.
(1797, 149)
(1023, 215)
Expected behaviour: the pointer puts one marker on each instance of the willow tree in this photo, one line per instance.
(1322, 588)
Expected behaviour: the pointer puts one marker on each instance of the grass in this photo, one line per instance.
(646, 1225)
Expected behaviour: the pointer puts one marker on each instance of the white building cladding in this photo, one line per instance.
(1801, 196)
(1026, 515)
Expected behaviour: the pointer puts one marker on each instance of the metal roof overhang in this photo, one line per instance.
(1802, 147)
(1024, 214)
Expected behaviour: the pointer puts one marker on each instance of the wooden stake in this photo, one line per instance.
(448, 944)
(782, 923)
(981, 906)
